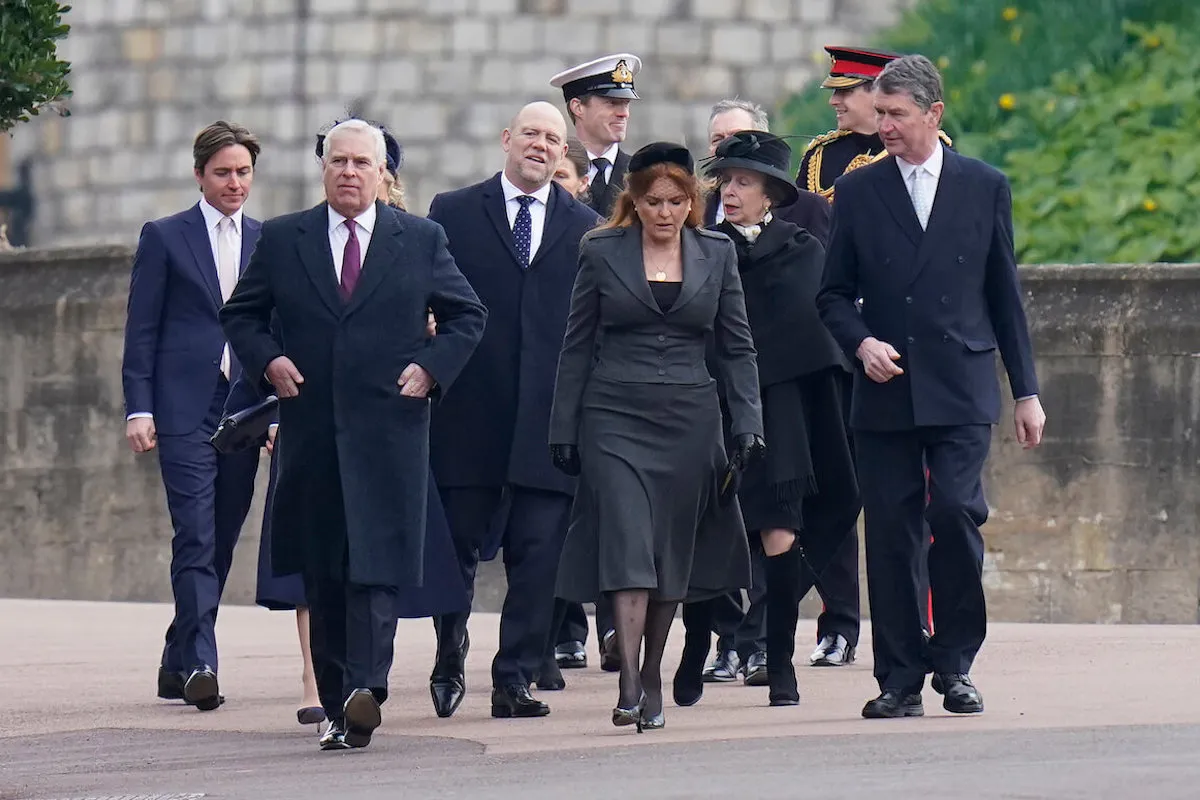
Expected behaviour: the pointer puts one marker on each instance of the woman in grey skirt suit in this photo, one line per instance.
(636, 416)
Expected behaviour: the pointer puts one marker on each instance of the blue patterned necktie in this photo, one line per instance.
(523, 230)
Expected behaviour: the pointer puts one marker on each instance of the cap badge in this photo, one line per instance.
(622, 74)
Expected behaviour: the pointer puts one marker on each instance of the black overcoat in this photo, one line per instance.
(491, 431)
(351, 494)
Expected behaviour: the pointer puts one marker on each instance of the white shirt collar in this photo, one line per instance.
(511, 192)
(610, 153)
(213, 217)
(365, 219)
(932, 165)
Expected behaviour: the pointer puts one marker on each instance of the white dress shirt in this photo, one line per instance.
(611, 155)
(537, 210)
(927, 177)
(364, 224)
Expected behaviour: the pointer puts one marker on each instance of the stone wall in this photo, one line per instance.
(1099, 525)
(446, 75)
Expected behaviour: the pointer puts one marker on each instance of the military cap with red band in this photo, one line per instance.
(853, 66)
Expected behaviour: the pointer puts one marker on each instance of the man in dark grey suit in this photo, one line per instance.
(349, 283)
(925, 238)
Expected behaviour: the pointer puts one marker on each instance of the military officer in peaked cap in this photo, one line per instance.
(598, 95)
(855, 142)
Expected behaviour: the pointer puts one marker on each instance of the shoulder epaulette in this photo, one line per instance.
(942, 135)
(826, 138)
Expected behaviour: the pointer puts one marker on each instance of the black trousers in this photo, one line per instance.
(352, 628)
(744, 631)
(574, 627)
(534, 530)
(891, 476)
(208, 496)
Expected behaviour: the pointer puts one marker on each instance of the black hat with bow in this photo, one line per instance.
(761, 152)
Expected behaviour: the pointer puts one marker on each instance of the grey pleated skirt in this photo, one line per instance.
(645, 514)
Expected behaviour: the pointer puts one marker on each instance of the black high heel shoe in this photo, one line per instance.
(622, 717)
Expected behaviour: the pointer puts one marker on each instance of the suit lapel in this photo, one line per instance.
(555, 223)
(696, 269)
(493, 206)
(616, 183)
(626, 262)
(250, 231)
(195, 232)
(890, 185)
(946, 202)
(380, 259)
(313, 246)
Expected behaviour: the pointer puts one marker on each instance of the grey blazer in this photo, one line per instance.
(616, 330)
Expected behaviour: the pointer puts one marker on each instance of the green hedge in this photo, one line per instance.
(31, 75)
(1089, 106)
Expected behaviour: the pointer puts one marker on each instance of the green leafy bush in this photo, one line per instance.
(31, 74)
(1089, 106)
(1105, 165)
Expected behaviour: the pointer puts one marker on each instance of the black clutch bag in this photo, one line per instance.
(246, 428)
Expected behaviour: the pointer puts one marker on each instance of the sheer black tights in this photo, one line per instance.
(638, 619)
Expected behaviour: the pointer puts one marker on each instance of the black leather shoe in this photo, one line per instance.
(170, 684)
(610, 654)
(724, 668)
(362, 717)
(754, 671)
(570, 655)
(516, 701)
(550, 677)
(201, 689)
(334, 737)
(448, 683)
(834, 650)
(959, 695)
(894, 704)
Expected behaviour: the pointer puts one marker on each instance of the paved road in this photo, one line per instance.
(1073, 712)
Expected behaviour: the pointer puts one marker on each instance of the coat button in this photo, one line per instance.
(945, 337)
(945, 300)
(911, 340)
(662, 372)
(961, 259)
(887, 260)
(908, 300)
(662, 338)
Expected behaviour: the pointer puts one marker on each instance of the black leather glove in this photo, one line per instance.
(750, 447)
(566, 459)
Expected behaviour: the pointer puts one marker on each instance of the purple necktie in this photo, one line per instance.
(351, 263)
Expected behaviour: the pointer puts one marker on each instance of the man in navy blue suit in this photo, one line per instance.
(925, 238)
(516, 239)
(176, 374)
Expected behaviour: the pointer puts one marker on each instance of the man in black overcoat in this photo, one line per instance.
(349, 282)
(924, 237)
(516, 238)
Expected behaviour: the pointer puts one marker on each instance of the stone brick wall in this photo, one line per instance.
(446, 75)
(1099, 525)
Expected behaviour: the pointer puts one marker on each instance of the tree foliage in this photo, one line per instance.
(31, 74)
(1089, 107)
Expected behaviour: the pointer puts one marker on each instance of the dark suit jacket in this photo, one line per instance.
(810, 211)
(353, 474)
(945, 297)
(612, 307)
(491, 430)
(173, 339)
(603, 204)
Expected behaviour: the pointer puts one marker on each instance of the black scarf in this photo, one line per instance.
(781, 272)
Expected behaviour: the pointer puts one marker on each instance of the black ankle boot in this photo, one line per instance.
(783, 613)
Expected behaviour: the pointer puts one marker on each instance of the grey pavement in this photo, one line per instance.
(1073, 712)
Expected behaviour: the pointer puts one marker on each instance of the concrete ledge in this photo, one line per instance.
(1099, 525)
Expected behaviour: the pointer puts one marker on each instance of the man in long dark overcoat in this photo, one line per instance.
(516, 237)
(350, 282)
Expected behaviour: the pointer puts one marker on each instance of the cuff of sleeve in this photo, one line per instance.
(139, 415)
(1026, 397)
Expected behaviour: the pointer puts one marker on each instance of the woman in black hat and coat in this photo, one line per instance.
(800, 500)
(637, 418)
